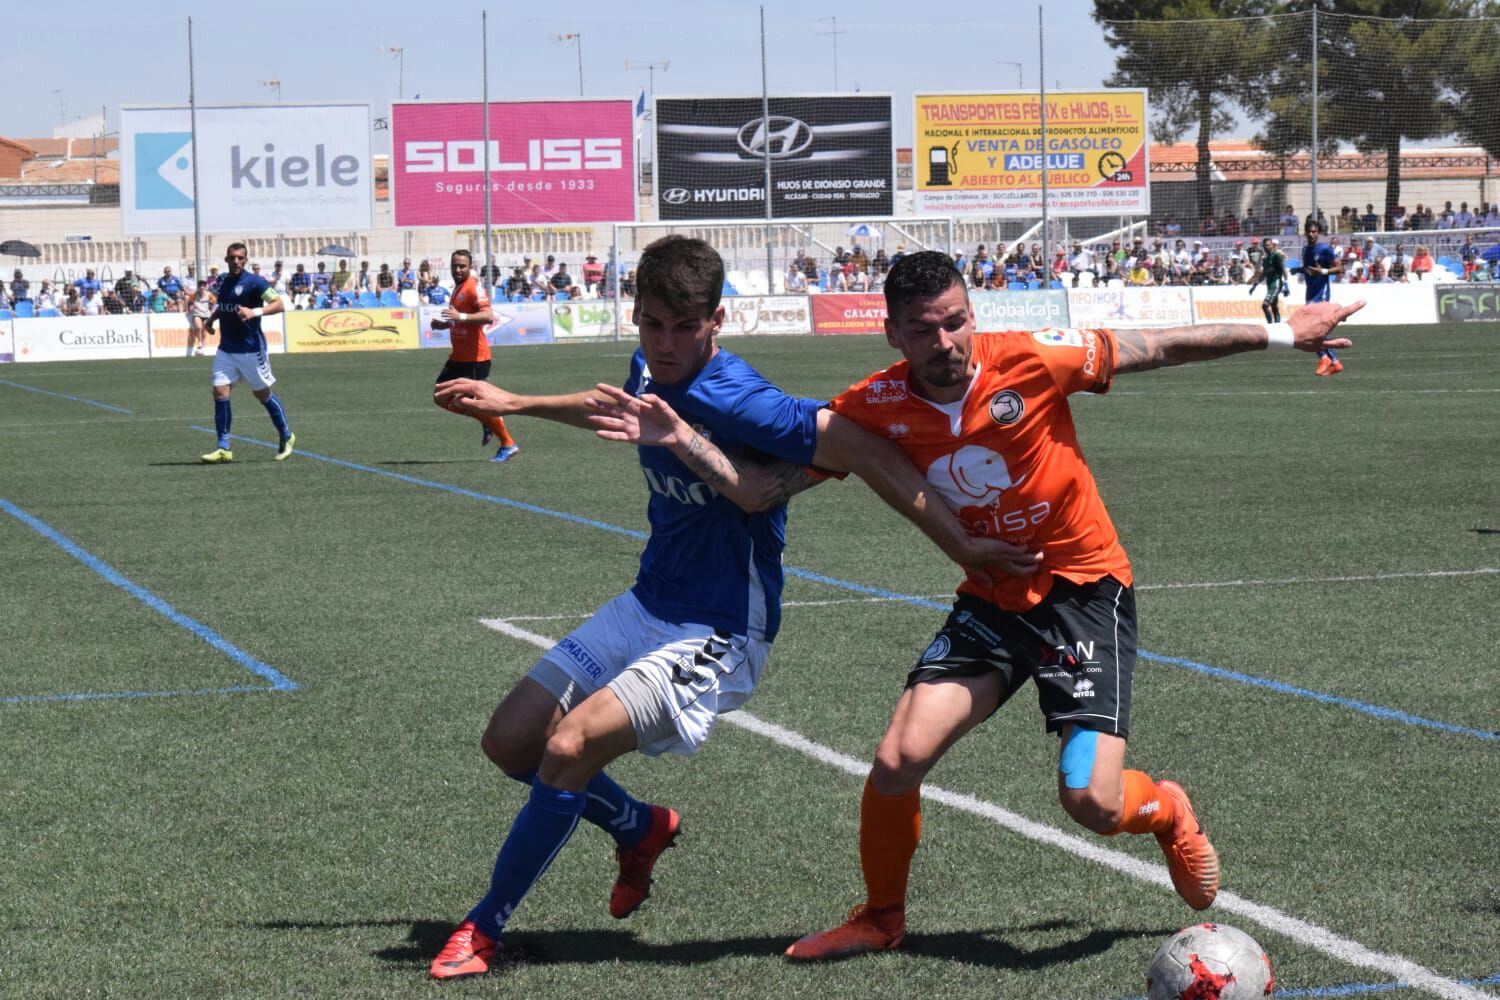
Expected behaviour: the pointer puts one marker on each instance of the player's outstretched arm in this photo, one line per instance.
(844, 446)
(649, 420)
(482, 399)
(1312, 327)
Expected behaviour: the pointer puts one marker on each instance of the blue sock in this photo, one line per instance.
(1324, 352)
(610, 808)
(540, 830)
(278, 415)
(222, 420)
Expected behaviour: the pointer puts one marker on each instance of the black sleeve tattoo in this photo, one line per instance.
(1143, 350)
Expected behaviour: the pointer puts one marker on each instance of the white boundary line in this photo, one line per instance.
(1482, 571)
(1320, 938)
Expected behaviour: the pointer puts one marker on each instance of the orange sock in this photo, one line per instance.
(1146, 810)
(889, 828)
(497, 427)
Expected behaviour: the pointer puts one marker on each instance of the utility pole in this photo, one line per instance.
(835, 32)
(400, 54)
(576, 37)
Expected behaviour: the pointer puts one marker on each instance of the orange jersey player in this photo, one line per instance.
(985, 417)
(466, 316)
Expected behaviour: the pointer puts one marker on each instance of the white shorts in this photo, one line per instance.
(253, 368)
(674, 680)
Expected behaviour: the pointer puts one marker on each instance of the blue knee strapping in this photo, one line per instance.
(1077, 760)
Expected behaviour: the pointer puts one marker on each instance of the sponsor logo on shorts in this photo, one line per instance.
(939, 649)
(1007, 407)
(1084, 688)
(575, 651)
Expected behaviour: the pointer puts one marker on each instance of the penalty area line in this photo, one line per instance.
(1312, 935)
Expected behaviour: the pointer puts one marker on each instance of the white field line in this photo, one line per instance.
(1372, 577)
(1311, 935)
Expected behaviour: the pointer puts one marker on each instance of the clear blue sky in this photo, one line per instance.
(90, 53)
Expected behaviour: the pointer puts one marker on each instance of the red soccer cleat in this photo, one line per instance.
(634, 882)
(469, 952)
(864, 930)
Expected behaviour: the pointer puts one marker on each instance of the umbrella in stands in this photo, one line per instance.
(865, 231)
(335, 250)
(1493, 253)
(19, 248)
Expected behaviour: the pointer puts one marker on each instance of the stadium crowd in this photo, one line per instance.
(1349, 220)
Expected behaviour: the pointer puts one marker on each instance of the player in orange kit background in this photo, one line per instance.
(466, 316)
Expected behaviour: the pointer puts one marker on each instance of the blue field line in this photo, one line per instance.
(277, 680)
(1359, 989)
(63, 395)
(1376, 711)
(113, 695)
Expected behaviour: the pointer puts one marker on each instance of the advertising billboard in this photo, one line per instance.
(260, 169)
(564, 161)
(82, 338)
(1007, 310)
(1471, 303)
(982, 153)
(1131, 307)
(830, 156)
(322, 331)
(515, 323)
(848, 313)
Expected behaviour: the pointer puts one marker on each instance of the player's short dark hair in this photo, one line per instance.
(464, 254)
(686, 274)
(923, 275)
(237, 246)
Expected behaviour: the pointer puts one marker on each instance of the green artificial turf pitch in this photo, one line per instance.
(183, 837)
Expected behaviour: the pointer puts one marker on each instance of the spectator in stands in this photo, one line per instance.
(1229, 225)
(1208, 227)
(190, 281)
(1399, 264)
(169, 283)
(277, 279)
(46, 298)
(160, 301)
(1445, 217)
(91, 301)
(1171, 228)
(1400, 220)
(627, 284)
(343, 278)
(1218, 274)
(20, 289)
(593, 274)
(1059, 264)
(426, 282)
(406, 277)
(881, 263)
(112, 304)
(796, 281)
(537, 282)
(810, 270)
(1468, 253)
(1373, 251)
(1081, 263)
(385, 280)
(1249, 225)
(1369, 222)
(1421, 262)
(1376, 274)
(71, 304)
(1289, 221)
(860, 259)
(562, 281)
(1238, 268)
(86, 284)
(1139, 275)
(1182, 263)
(322, 281)
(1491, 216)
(300, 283)
(125, 284)
(364, 281)
(1464, 219)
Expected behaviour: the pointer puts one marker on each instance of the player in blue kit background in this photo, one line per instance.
(243, 298)
(1319, 263)
(654, 668)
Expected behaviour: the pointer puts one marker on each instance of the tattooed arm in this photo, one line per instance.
(1143, 350)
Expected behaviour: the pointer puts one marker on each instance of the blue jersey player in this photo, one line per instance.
(654, 668)
(242, 299)
(1319, 264)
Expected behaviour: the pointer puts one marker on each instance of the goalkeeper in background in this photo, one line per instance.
(1273, 273)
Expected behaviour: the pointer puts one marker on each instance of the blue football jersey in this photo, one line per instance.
(238, 336)
(707, 561)
(1318, 255)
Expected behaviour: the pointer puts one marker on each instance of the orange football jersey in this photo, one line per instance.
(468, 339)
(1006, 456)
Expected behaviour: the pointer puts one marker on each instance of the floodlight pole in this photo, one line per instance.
(1314, 149)
(489, 264)
(765, 129)
(193, 131)
(1041, 86)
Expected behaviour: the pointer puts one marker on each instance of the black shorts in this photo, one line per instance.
(1079, 644)
(464, 369)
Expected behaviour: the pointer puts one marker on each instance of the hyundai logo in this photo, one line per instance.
(786, 137)
(676, 196)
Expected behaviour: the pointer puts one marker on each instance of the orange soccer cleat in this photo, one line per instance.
(634, 882)
(865, 929)
(469, 952)
(1335, 368)
(1191, 859)
(1325, 366)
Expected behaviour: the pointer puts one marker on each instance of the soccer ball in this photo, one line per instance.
(1209, 962)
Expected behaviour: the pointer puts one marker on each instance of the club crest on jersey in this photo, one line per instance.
(972, 476)
(1007, 407)
(1053, 337)
(885, 390)
(239, 289)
